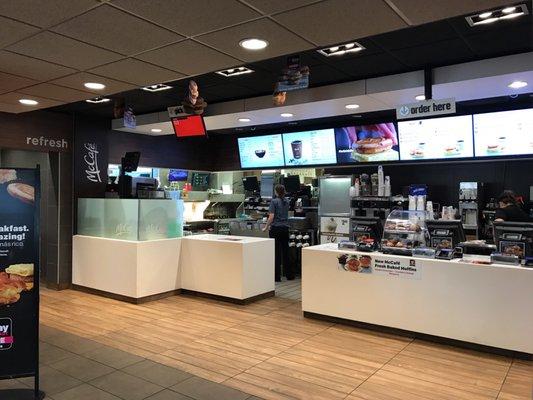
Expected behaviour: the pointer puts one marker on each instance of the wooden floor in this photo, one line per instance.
(269, 350)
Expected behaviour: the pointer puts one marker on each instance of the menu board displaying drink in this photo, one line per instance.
(310, 147)
(261, 151)
(367, 143)
(436, 138)
(504, 133)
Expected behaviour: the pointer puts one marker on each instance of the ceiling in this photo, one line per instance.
(48, 49)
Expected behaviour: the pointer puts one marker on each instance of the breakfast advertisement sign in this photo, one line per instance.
(19, 272)
(379, 265)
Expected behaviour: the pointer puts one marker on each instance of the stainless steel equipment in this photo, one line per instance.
(470, 198)
(334, 208)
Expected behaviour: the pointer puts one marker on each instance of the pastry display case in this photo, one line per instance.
(404, 231)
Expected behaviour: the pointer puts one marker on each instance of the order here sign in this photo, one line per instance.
(426, 108)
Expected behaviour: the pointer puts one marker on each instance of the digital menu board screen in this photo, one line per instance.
(504, 133)
(309, 147)
(367, 143)
(436, 138)
(261, 151)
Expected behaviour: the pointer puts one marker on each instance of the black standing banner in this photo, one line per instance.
(19, 273)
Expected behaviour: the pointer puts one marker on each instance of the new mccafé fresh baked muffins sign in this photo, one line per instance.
(18, 271)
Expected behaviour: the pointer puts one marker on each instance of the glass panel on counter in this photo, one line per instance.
(261, 151)
(504, 133)
(367, 143)
(309, 148)
(160, 219)
(436, 138)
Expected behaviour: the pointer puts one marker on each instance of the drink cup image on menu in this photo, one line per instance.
(296, 149)
(309, 147)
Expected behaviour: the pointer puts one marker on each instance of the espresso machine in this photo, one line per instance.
(470, 206)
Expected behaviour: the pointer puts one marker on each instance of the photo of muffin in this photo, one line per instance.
(7, 175)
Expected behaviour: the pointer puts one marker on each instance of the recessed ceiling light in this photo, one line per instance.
(98, 100)
(253, 44)
(420, 97)
(244, 119)
(340, 49)
(287, 115)
(235, 71)
(156, 87)
(28, 102)
(155, 130)
(94, 85)
(351, 106)
(517, 84)
(488, 17)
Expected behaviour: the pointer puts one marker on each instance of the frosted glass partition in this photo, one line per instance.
(130, 219)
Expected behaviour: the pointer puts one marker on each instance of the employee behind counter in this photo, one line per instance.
(510, 209)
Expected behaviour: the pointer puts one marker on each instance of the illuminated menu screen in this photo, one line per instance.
(367, 143)
(436, 138)
(504, 133)
(261, 151)
(310, 148)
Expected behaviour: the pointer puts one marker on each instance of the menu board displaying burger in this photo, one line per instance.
(19, 271)
(504, 133)
(367, 143)
(309, 147)
(436, 138)
(261, 151)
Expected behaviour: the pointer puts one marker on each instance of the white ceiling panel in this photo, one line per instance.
(190, 17)
(136, 72)
(12, 31)
(335, 21)
(281, 41)
(418, 13)
(116, 30)
(189, 57)
(61, 50)
(31, 67)
(76, 81)
(13, 99)
(10, 82)
(54, 92)
(44, 13)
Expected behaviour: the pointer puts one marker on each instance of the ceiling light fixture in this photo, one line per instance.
(156, 87)
(244, 119)
(155, 130)
(235, 71)
(420, 97)
(287, 115)
(351, 106)
(98, 100)
(94, 85)
(517, 84)
(340, 49)
(28, 102)
(504, 13)
(253, 44)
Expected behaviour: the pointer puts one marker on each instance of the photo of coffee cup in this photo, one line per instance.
(296, 149)
(260, 153)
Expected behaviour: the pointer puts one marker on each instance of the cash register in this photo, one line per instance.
(515, 239)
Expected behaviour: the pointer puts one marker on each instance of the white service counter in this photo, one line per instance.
(231, 267)
(481, 304)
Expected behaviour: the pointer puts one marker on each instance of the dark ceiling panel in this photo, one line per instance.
(374, 65)
(440, 53)
(415, 36)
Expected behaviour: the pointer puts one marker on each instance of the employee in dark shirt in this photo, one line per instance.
(278, 223)
(510, 210)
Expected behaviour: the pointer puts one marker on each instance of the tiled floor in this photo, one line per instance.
(186, 348)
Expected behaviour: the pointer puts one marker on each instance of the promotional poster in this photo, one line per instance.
(19, 271)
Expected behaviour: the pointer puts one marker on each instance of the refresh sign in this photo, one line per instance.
(426, 108)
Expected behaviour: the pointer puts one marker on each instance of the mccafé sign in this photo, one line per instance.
(426, 108)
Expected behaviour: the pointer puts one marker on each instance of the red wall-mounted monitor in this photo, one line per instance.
(191, 125)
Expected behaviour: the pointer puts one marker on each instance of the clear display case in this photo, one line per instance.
(404, 231)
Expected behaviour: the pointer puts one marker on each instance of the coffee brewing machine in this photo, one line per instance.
(470, 206)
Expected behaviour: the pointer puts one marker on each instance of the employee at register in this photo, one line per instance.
(510, 209)
(278, 223)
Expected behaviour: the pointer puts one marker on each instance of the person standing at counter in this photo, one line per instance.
(278, 223)
(510, 209)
